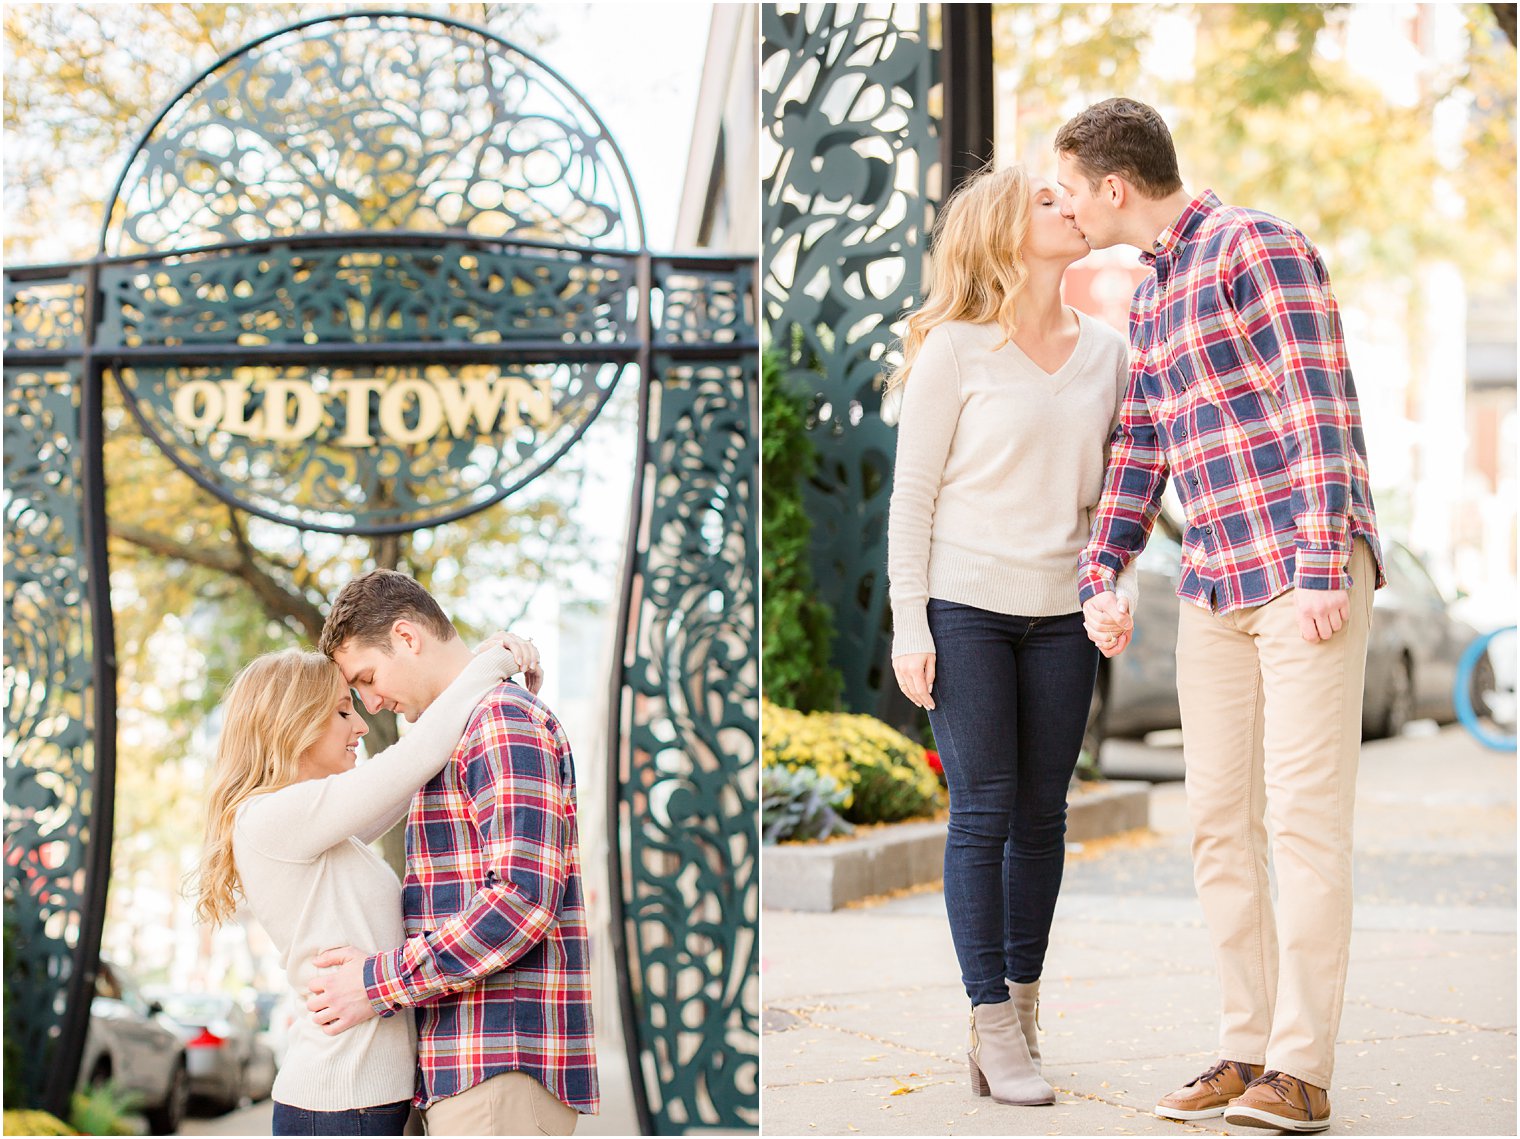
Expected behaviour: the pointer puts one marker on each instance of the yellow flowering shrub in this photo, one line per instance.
(35, 1123)
(883, 773)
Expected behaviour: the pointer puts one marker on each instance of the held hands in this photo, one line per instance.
(524, 651)
(1322, 612)
(915, 676)
(1108, 622)
(338, 1000)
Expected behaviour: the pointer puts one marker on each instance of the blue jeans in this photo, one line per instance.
(1011, 699)
(383, 1119)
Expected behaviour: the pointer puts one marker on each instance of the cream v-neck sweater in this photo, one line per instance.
(314, 884)
(999, 465)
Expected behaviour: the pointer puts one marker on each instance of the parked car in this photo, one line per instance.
(1415, 648)
(220, 1038)
(132, 1044)
(1412, 651)
(258, 1080)
(277, 1012)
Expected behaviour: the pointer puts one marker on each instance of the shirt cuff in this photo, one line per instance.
(1319, 567)
(1092, 579)
(382, 982)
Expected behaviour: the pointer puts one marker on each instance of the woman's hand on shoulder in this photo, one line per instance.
(524, 653)
(915, 676)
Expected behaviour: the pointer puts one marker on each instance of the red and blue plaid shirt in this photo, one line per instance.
(496, 957)
(1239, 388)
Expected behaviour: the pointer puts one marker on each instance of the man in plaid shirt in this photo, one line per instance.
(495, 961)
(1240, 392)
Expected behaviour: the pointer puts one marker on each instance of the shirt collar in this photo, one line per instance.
(1181, 231)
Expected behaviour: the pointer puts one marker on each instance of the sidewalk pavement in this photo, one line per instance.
(865, 1021)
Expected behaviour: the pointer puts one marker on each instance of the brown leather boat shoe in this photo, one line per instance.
(1278, 1100)
(1210, 1093)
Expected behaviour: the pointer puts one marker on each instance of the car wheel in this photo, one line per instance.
(1481, 687)
(1400, 708)
(234, 1098)
(166, 1118)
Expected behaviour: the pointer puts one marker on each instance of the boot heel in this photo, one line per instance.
(978, 1081)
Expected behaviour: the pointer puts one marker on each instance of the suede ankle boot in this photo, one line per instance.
(1026, 998)
(1000, 1063)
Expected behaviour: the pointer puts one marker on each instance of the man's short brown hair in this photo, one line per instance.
(1123, 137)
(367, 607)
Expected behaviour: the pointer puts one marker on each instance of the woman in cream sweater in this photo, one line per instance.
(1008, 401)
(288, 823)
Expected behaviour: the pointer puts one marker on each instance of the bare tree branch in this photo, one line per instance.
(240, 561)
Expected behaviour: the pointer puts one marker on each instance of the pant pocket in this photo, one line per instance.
(550, 1116)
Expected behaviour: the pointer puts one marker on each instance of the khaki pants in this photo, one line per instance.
(1272, 723)
(513, 1103)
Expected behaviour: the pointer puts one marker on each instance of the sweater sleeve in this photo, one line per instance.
(299, 822)
(930, 411)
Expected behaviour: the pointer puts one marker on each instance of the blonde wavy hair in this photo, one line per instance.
(275, 709)
(978, 271)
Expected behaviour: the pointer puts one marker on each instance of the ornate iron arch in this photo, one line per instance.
(399, 263)
(374, 186)
(289, 85)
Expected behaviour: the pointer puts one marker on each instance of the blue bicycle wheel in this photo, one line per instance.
(1462, 696)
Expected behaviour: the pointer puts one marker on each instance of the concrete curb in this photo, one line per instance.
(820, 877)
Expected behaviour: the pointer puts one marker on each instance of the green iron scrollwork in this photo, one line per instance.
(847, 196)
(382, 447)
(687, 787)
(702, 305)
(50, 750)
(45, 315)
(375, 122)
(446, 292)
(473, 434)
(351, 183)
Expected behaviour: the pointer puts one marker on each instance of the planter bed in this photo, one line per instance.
(823, 876)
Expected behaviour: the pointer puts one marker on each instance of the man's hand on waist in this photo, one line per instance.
(339, 999)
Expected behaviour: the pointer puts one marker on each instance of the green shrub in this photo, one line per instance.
(103, 1110)
(796, 625)
(884, 774)
(798, 805)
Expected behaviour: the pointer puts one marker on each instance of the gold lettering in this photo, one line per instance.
(235, 418)
(211, 403)
(429, 411)
(477, 400)
(278, 424)
(293, 410)
(356, 420)
(536, 404)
